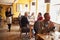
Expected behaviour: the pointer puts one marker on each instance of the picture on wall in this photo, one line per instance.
(47, 1)
(33, 3)
(26, 5)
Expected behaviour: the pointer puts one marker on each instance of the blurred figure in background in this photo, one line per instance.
(19, 16)
(8, 15)
(39, 17)
(25, 23)
(19, 19)
(32, 21)
(24, 20)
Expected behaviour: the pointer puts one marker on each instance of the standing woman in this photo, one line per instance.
(8, 18)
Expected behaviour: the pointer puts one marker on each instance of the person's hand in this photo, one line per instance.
(51, 25)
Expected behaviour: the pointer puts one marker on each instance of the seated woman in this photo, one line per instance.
(40, 18)
(37, 23)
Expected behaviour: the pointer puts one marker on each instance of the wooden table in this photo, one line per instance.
(44, 37)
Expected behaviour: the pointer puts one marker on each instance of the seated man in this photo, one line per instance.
(46, 24)
(24, 20)
(24, 23)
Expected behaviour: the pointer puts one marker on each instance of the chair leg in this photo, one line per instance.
(20, 35)
(26, 33)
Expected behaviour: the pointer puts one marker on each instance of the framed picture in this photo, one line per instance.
(47, 1)
(33, 3)
(26, 5)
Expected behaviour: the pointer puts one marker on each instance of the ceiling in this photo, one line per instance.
(7, 2)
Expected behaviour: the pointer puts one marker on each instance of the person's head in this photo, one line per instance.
(39, 14)
(26, 14)
(9, 9)
(32, 13)
(47, 16)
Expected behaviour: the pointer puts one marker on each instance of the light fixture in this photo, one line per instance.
(33, 3)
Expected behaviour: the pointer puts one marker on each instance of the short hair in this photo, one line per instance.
(8, 8)
(46, 14)
(40, 13)
(25, 13)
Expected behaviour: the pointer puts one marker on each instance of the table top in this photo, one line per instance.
(45, 37)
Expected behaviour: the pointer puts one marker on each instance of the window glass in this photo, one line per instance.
(55, 10)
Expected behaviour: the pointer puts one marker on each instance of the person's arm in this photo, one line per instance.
(27, 21)
(51, 25)
(10, 14)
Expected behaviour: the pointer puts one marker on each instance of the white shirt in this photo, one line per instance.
(32, 20)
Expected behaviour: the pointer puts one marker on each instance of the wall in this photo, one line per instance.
(14, 7)
(14, 10)
(3, 11)
(23, 2)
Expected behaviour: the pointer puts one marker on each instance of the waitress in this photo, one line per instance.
(8, 18)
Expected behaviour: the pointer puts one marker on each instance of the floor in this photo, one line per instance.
(14, 34)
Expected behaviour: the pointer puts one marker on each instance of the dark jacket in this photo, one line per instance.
(8, 14)
(0, 18)
(24, 21)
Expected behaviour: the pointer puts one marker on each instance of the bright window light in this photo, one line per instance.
(55, 11)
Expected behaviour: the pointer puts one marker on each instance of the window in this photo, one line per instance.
(41, 7)
(55, 11)
(22, 8)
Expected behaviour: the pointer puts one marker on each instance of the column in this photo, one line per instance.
(47, 7)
